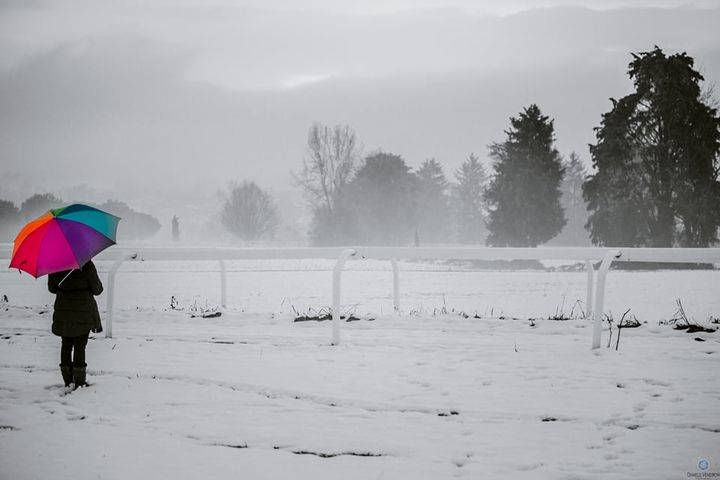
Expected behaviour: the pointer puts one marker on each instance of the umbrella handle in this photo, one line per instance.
(66, 276)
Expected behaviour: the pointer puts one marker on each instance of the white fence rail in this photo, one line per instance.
(595, 287)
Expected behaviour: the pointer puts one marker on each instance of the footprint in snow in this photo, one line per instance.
(656, 383)
(610, 439)
(54, 386)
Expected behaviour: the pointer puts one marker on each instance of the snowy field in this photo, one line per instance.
(421, 394)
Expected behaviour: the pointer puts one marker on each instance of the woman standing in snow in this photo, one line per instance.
(75, 316)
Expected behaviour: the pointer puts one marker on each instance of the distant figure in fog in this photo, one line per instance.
(76, 315)
(175, 228)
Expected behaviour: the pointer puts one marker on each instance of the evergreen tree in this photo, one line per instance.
(432, 202)
(524, 194)
(656, 160)
(469, 202)
(619, 207)
(382, 195)
(573, 204)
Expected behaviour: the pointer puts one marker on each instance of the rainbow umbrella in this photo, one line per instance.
(63, 239)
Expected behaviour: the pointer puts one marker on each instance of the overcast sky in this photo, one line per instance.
(158, 102)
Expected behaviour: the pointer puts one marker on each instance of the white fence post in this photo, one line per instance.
(223, 284)
(600, 296)
(396, 285)
(337, 273)
(590, 289)
(110, 306)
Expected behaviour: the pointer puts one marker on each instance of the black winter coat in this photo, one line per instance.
(76, 312)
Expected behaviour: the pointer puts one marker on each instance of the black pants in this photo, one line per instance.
(76, 347)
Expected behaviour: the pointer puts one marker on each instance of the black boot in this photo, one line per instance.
(67, 374)
(79, 376)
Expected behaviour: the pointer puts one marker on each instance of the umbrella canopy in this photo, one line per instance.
(63, 239)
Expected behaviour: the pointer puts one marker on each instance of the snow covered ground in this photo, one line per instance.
(422, 394)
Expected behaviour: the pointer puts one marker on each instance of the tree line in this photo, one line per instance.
(136, 225)
(379, 199)
(654, 180)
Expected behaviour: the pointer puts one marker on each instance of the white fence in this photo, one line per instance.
(595, 286)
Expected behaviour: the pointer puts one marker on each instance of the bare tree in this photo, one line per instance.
(249, 212)
(332, 155)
